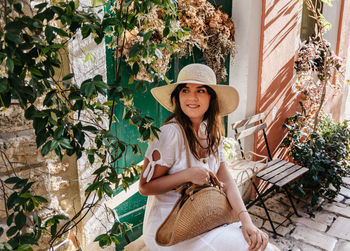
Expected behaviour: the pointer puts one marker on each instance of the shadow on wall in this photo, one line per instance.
(276, 98)
(283, 31)
(280, 95)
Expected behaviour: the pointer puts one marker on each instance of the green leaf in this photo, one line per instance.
(50, 222)
(85, 31)
(26, 195)
(46, 148)
(180, 34)
(65, 143)
(48, 99)
(115, 240)
(20, 220)
(12, 180)
(26, 187)
(100, 237)
(10, 64)
(41, 138)
(328, 2)
(53, 229)
(88, 88)
(166, 31)
(13, 37)
(108, 103)
(10, 219)
(40, 199)
(35, 72)
(31, 205)
(50, 35)
(135, 49)
(60, 217)
(60, 32)
(135, 68)
(326, 25)
(131, 79)
(25, 247)
(90, 129)
(89, 57)
(18, 8)
(91, 157)
(11, 231)
(108, 190)
(58, 132)
(67, 77)
(92, 187)
(12, 200)
(40, 6)
(37, 219)
(20, 184)
(54, 117)
(3, 85)
(147, 36)
(101, 170)
(29, 112)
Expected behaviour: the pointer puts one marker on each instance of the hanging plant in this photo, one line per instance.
(149, 45)
(314, 68)
(199, 24)
(212, 31)
(317, 66)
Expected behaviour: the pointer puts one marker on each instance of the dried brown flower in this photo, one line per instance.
(212, 31)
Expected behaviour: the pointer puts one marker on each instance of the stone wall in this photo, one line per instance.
(62, 183)
(56, 181)
(99, 220)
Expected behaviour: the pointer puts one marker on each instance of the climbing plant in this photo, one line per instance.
(33, 35)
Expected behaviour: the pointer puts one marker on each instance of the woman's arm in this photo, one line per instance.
(254, 237)
(162, 182)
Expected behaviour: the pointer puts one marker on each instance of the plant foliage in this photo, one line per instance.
(317, 67)
(66, 114)
(326, 152)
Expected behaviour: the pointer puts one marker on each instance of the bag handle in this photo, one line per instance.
(214, 180)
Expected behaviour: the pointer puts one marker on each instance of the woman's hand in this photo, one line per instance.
(255, 237)
(199, 175)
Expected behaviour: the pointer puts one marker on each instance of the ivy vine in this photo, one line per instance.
(31, 40)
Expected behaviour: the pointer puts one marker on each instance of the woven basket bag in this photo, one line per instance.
(199, 210)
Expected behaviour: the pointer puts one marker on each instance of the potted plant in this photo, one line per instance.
(314, 140)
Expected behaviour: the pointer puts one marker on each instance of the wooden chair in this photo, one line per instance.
(278, 173)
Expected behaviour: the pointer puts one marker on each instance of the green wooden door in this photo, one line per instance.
(132, 210)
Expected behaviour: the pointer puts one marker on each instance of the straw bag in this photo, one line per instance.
(199, 210)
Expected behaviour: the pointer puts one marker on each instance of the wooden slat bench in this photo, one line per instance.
(278, 173)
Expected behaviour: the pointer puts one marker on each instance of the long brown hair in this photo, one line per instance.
(214, 126)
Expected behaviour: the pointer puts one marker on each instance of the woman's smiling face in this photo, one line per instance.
(194, 101)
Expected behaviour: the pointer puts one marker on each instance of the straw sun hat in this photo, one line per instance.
(227, 96)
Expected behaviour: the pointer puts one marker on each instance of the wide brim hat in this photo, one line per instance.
(227, 96)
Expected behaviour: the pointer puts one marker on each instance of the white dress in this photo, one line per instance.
(173, 155)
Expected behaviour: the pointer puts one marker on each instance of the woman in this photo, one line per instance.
(197, 104)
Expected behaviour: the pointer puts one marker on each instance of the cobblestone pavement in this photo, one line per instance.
(328, 229)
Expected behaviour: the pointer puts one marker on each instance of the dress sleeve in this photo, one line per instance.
(168, 144)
